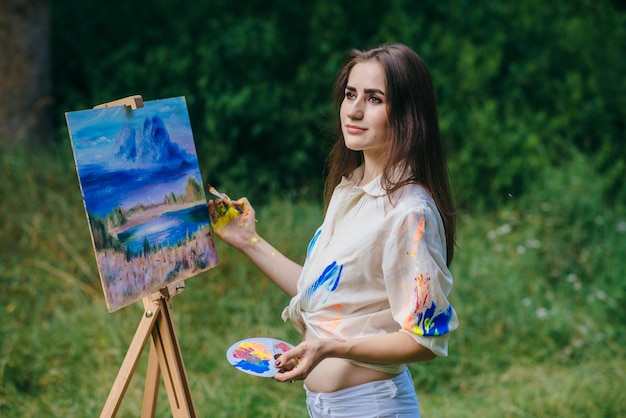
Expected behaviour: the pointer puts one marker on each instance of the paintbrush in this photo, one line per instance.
(222, 196)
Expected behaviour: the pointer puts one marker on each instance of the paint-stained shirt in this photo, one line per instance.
(377, 266)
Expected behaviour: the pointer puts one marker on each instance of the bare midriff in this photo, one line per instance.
(333, 374)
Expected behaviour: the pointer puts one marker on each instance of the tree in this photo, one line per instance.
(521, 86)
(25, 84)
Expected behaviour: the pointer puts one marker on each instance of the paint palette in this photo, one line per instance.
(256, 356)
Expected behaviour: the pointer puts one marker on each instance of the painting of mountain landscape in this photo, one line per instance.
(143, 194)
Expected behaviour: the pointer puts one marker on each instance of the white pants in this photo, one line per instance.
(388, 398)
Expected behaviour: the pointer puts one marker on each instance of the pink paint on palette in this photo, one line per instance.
(256, 356)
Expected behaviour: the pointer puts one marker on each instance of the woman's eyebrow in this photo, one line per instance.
(368, 91)
(377, 91)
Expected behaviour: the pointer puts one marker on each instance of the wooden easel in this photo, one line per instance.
(132, 102)
(165, 357)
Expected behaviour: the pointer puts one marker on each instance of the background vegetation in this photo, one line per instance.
(532, 104)
(520, 85)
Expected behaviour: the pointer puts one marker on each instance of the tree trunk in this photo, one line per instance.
(25, 85)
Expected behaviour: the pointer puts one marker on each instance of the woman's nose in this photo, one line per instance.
(356, 112)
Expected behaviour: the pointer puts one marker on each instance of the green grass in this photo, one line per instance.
(539, 289)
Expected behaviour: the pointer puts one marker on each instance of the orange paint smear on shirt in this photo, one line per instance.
(417, 237)
(420, 296)
(330, 324)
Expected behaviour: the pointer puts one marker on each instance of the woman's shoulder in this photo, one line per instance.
(413, 196)
(415, 206)
(413, 199)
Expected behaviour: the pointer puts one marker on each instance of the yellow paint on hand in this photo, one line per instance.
(223, 220)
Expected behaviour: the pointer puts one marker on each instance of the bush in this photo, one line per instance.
(518, 83)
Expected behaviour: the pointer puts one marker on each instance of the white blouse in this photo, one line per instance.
(376, 267)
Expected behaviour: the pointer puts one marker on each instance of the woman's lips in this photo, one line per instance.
(354, 130)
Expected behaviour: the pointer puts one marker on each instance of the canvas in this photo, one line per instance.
(142, 189)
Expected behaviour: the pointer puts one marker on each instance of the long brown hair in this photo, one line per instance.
(415, 144)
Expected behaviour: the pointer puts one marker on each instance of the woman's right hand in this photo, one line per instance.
(234, 221)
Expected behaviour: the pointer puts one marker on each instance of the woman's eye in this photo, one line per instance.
(350, 94)
(375, 99)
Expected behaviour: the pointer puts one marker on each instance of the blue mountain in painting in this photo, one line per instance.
(127, 144)
(142, 166)
(151, 146)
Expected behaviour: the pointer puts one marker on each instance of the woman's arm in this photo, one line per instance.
(239, 231)
(395, 348)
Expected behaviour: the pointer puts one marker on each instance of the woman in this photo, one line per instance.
(372, 294)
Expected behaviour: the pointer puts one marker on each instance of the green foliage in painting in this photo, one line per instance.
(116, 218)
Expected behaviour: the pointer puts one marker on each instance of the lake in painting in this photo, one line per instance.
(169, 227)
(143, 194)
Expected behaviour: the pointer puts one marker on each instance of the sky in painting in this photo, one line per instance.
(129, 157)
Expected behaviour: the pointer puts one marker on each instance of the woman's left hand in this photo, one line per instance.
(297, 363)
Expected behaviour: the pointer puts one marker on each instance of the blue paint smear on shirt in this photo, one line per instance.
(329, 279)
(433, 325)
(313, 241)
(258, 367)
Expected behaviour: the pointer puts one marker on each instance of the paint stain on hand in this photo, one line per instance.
(223, 220)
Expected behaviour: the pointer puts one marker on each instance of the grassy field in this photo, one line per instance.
(539, 290)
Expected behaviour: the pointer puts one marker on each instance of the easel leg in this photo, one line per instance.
(146, 325)
(171, 364)
(165, 359)
(151, 389)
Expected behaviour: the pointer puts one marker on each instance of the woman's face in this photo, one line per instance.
(363, 112)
